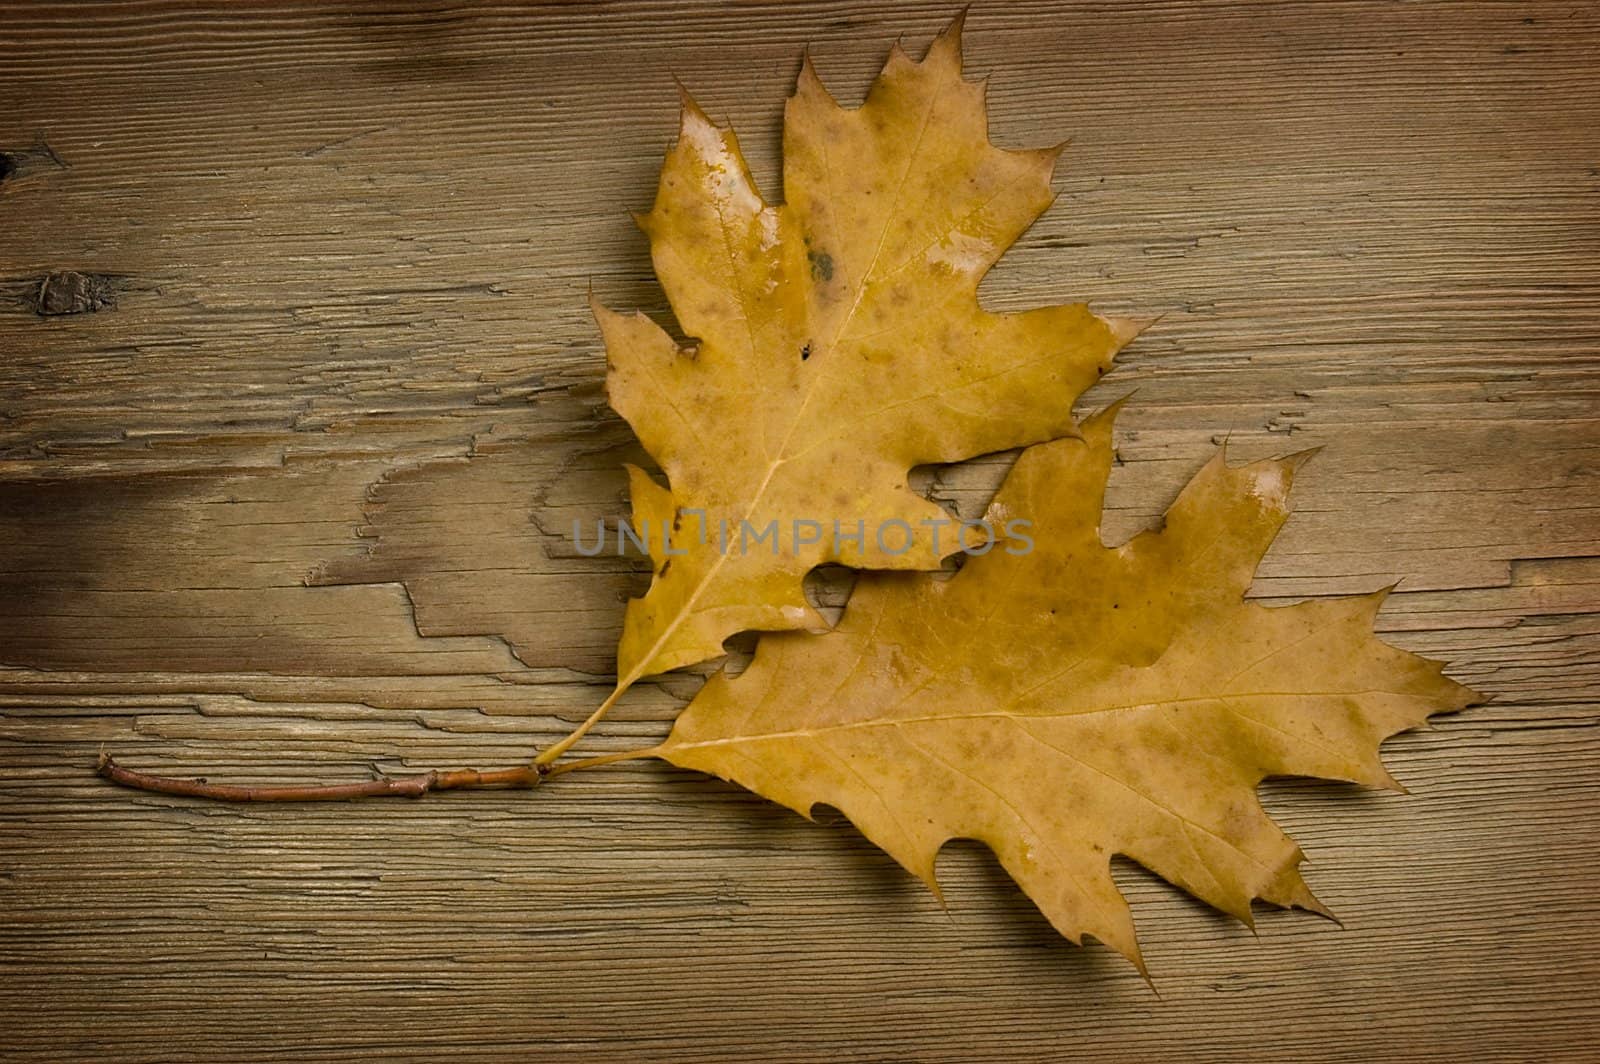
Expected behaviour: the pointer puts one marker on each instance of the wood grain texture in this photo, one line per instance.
(299, 395)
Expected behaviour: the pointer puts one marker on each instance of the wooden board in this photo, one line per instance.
(299, 397)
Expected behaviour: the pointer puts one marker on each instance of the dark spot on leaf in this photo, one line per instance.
(805, 352)
(664, 567)
(821, 265)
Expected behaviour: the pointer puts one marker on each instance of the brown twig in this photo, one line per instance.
(383, 786)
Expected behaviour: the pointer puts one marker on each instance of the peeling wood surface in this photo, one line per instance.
(295, 500)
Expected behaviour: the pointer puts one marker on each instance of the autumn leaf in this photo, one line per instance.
(1074, 702)
(838, 342)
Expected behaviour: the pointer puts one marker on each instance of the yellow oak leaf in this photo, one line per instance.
(1072, 702)
(837, 342)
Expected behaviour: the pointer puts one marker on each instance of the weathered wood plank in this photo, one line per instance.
(287, 469)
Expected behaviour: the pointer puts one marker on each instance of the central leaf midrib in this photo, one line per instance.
(896, 722)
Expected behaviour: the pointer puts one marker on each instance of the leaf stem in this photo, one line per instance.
(382, 787)
(549, 755)
(601, 759)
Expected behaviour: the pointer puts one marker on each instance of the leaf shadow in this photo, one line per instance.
(982, 910)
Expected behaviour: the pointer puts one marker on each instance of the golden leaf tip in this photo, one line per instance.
(950, 36)
(1372, 602)
(1310, 903)
(1049, 156)
(1125, 330)
(808, 83)
(1300, 458)
(1135, 957)
(1107, 416)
